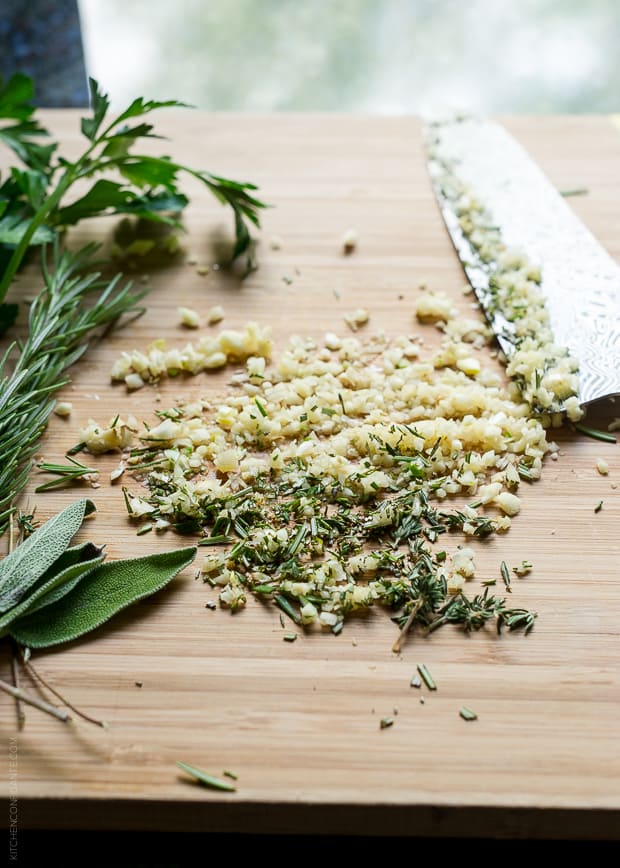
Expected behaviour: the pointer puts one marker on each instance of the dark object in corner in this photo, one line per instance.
(43, 39)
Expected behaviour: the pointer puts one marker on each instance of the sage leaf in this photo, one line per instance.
(25, 566)
(99, 595)
(59, 580)
(206, 779)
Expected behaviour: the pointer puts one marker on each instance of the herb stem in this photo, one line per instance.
(18, 693)
(19, 709)
(37, 677)
(405, 629)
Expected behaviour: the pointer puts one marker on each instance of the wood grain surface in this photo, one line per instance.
(299, 723)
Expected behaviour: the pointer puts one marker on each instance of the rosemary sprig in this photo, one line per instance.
(67, 473)
(71, 309)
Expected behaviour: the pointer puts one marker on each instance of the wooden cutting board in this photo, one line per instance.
(299, 723)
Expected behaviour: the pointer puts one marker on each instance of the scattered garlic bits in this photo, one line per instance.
(136, 368)
(602, 466)
(333, 473)
(118, 434)
(546, 373)
(357, 318)
(434, 307)
(63, 409)
(188, 317)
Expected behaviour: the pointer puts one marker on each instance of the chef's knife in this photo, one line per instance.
(580, 280)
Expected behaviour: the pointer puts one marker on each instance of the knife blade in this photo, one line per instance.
(579, 280)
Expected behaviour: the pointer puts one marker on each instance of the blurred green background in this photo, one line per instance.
(379, 56)
(395, 56)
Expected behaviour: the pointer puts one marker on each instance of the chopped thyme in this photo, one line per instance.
(598, 506)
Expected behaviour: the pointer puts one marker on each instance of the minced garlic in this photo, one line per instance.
(434, 307)
(545, 373)
(63, 408)
(357, 318)
(215, 314)
(210, 352)
(400, 448)
(188, 317)
(117, 434)
(602, 466)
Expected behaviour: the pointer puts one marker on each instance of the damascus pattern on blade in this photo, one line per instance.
(580, 280)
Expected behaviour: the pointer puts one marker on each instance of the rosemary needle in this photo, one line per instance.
(467, 714)
(595, 433)
(206, 779)
(67, 473)
(426, 676)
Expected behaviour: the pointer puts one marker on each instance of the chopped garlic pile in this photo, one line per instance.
(209, 352)
(117, 434)
(546, 373)
(335, 466)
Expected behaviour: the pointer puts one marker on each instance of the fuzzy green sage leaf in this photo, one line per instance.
(20, 570)
(59, 580)
(99, 595)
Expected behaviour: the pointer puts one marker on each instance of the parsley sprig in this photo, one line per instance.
(37, 203)
(34, 206)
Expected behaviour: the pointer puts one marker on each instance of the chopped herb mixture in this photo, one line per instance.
(332, 478)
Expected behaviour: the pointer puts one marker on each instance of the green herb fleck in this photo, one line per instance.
(595, 433)
(505, 575)
(426, 676)
(206, 779)
(467, 714)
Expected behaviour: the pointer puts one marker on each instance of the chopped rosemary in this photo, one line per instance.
(598, 506)
(467, 714)
(327, 517)
(595, 433)
(67, 474)
(218, 539)
(426, 676)
(505, 575)
(575, 191)
(206, 779)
